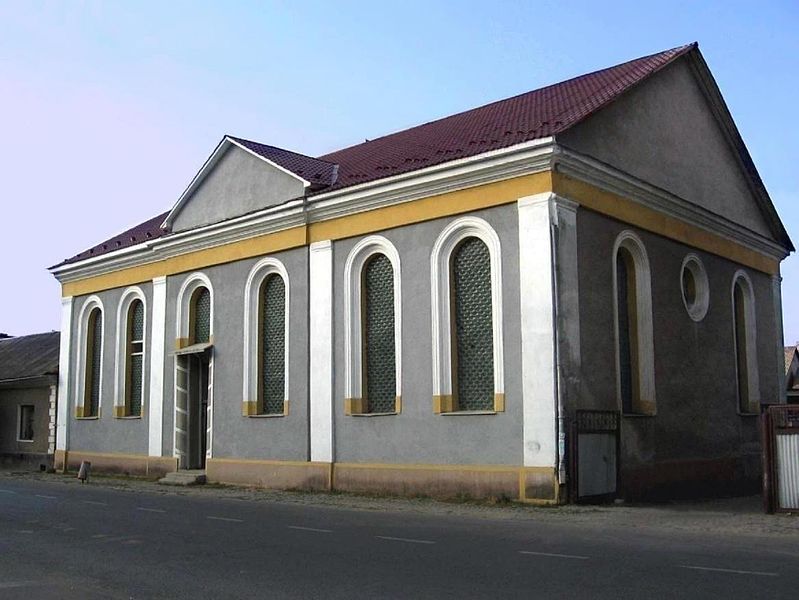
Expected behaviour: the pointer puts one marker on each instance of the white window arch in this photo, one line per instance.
(91, 310)
(440, 281)
(192, 283)
(251, 405)
(744, 332)
(358, 257)
(629, 252)
(121, 368)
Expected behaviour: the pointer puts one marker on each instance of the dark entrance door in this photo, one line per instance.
(198, 411)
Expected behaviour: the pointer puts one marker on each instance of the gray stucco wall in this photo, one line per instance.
(664, 132)
(417, 435)
(695, 378)
(10, 401)
(236, 436)
(109, 434)
(238, 184)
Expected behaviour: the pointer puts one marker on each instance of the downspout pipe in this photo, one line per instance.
(559, 410)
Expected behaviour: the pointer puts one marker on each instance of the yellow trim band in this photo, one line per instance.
(633, 213)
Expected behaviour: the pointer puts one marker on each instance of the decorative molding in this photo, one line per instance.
(353, 321)
(609, 178)
(252, 328)
(447, 241)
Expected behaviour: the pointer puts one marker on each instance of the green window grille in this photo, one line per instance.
(380, 375)
(135, 358)
(273, 344)
(94, 341)
(473, 326)
(202, 316)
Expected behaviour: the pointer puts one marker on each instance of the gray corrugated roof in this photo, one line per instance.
(29, 355)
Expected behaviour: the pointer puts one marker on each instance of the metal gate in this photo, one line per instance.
(595, 455)
(781, 458)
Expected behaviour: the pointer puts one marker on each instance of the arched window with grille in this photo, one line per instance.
(266, 340)
(272, 346)
(372, 309)
(379, 353)
(200, 316)
(90, 383)
(744, 339)
(466, 283)
(635, 368)
(472, 331)
(134, 375)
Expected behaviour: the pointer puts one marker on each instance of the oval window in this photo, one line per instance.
(694, 285)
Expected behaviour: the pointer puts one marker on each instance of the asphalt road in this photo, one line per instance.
(85, 542)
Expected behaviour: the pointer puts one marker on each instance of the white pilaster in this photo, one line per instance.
(62, 420)
(157, 354)
(321, 345)
(776, 296)
(539, 387)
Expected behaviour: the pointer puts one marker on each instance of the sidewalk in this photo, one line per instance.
(728, 516)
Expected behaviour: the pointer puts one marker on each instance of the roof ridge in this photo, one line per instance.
(272, 147)
(677, 50)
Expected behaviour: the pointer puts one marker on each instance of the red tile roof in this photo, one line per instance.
(319, 173)
(537, 114)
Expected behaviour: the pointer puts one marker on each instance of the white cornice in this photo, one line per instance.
(613, 180)
(531, 157)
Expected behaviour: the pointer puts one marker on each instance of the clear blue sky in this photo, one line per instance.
(108, 109)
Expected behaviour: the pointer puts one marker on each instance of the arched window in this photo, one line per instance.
(266, 340)
(130, 360)
(90, 370)
(372, 303)
(379, 357)
(473, 371)
(135, 356)
(94, 353)
(200, 317)
(635, 368)
(744, 339)
(272, 350)
(468, 368)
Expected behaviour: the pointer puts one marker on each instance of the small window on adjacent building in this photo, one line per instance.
(135, 358)
(26, 415)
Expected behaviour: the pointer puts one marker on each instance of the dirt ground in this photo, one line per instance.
(728, 516)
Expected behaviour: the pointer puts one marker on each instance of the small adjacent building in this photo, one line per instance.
(792, 374)
(430, 312)
(28, 399)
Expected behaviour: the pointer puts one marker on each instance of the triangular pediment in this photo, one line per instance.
(234, 181)
(674, 131)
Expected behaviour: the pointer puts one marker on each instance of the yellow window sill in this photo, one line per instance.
(468, 413)
(383, 414)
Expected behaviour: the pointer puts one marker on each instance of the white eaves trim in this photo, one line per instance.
(217, 154)
(613, 180)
